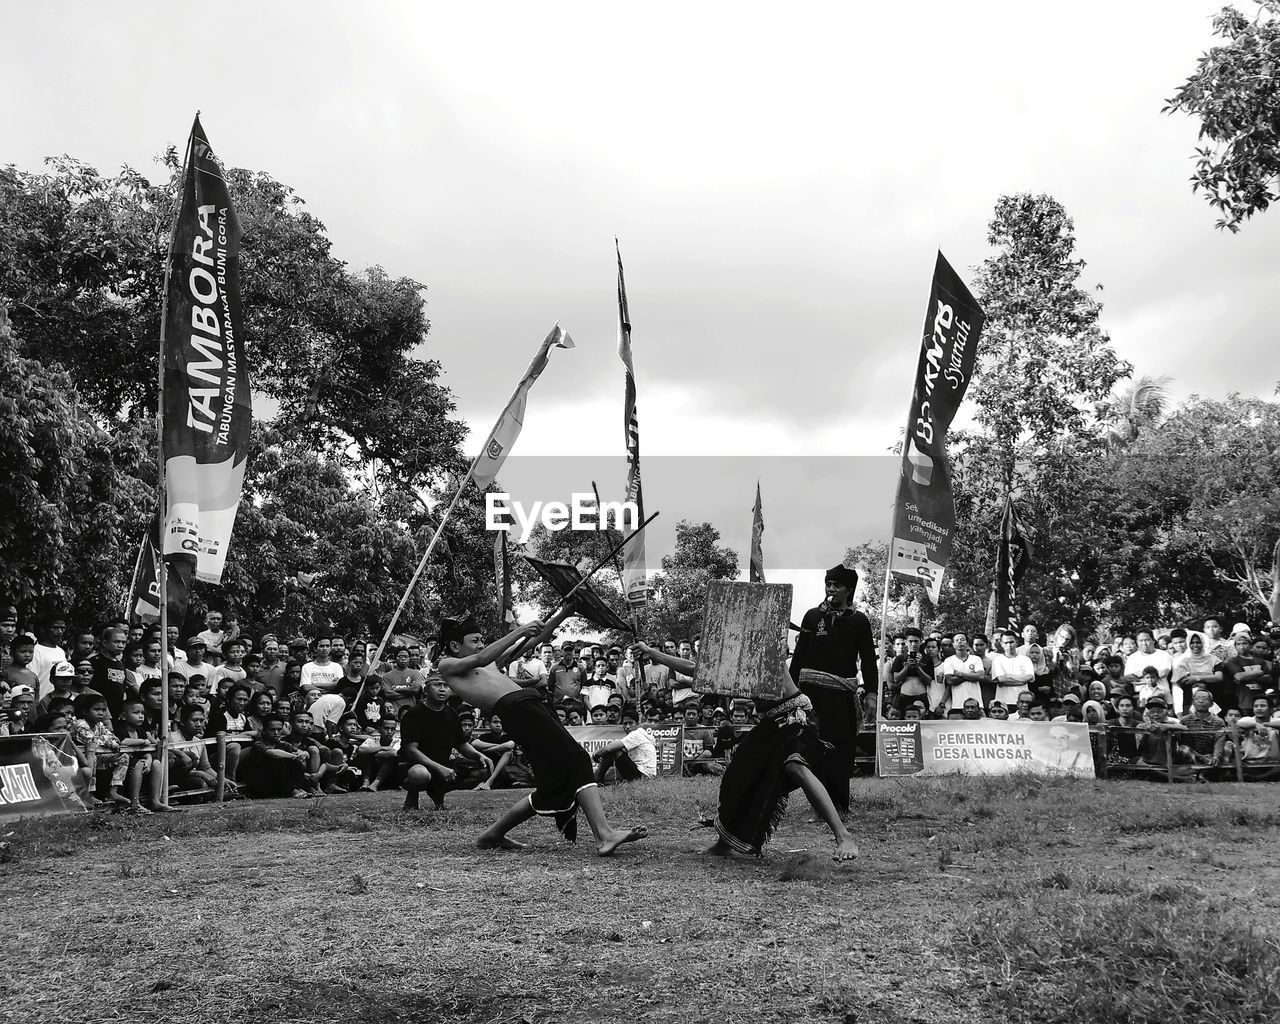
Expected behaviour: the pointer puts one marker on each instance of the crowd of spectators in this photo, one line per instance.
(1196, 697)
(304, 716)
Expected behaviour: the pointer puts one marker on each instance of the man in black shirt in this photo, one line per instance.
(430, 732)
(109, 677)
(834, 642)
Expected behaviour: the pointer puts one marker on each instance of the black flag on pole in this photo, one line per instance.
(1012, 561)
(207, 413)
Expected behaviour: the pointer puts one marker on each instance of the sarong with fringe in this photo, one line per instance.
(755, 785)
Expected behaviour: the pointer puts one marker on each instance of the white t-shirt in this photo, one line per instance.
(1137, 661)
(322, 677)
(681, 688)
(642, 750)
(596, 693)
(213, 641)
(42, 663)
(962, 691)
(526, 670)
(1018, 665)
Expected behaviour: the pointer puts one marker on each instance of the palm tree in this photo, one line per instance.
(1127, 414)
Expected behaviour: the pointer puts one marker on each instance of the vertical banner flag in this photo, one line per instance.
(1012, 561)
(497, 445)
(924, 513)
(757, 540)
(634, 581)
(207, 413)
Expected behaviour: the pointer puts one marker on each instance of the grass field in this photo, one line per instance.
(984, 900)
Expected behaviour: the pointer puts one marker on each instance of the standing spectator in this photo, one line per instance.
(1215, 644)
(962, 673)
(18, 673)
(48, 650)
(62, 679)
(213, 634)
(566, 677)
(272, 672)
(172, 635)
(1147, 655)
(599, 687)
(911, 672)
(321, 673)
(1199, 669)
(195, 665)
(1250, 677)
(681, 684)
(404, 680)
(232, 668)
(1011, 672)
(150, 667)
(8, 630)
(110, 678)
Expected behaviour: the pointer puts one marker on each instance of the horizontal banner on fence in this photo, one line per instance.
(37, 775)
(669, 740)
(987, 747)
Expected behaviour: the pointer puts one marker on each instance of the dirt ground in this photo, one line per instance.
(971, 902)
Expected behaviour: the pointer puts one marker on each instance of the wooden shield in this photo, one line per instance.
(743, 651)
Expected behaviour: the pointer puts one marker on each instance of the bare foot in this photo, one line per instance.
(846, 849)
(167, 809)
(300, 794)
(718, 849)
(486, 842)
(484, 785)
(620, 836)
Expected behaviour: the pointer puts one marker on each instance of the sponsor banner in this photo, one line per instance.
(37, 773)
(924, 514)
(669, 739)
(985, 747)
(207, 414)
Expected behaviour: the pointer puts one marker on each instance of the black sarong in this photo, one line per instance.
(755, 785)
(561, 768)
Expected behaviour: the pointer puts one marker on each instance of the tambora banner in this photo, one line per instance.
(987, 746)
(669, 740)
(207, 412)
(37, 772)
(924, 514)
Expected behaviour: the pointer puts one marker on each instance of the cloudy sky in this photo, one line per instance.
(779, 178)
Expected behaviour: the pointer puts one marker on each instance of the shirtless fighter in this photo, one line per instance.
(561, 768)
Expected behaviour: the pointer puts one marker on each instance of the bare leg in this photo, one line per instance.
(501, 763)
(416, 780)
(608, 838)
(495, 836)
(820, 800)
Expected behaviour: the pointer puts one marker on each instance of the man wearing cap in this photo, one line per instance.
(195, 665)
(61, 677)
(565, 676)
(833, 644)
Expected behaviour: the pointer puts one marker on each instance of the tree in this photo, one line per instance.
(907, 601)
(1044, 363)
(680, 587)
(1135, 408)
(72, 501)
(1235, 91)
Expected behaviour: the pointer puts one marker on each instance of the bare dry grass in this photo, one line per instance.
(975, 900)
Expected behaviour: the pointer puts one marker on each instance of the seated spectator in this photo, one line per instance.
(344, 745)
(305, 736)
(378, 756)
(1094, 714)
(1258, 742)
(275, 767)
(511, 768)
(260, 709)
(971, 709)
(61, 678)
(1153, 747)
(189, 766)
(1022, 709)
(632, 757)
(998, 711)
(137, 744)
(22, 699)
(1200, 719)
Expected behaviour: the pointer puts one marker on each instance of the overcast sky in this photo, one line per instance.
(779, 178)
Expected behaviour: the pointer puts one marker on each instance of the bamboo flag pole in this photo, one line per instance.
(161, 489)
